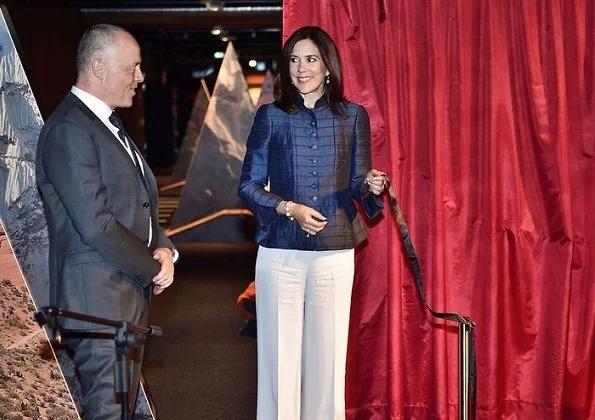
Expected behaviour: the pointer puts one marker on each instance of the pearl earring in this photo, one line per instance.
(328, 79)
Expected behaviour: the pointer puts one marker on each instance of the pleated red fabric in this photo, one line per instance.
(483, 115)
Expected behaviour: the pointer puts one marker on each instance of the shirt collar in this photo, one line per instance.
(96, 105)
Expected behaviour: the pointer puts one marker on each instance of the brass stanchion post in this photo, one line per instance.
(464, 338)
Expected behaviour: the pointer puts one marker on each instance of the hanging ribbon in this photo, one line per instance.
(450, 316)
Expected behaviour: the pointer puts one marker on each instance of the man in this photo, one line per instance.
(107, 252)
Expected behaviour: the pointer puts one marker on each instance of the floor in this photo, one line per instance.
(202, 367)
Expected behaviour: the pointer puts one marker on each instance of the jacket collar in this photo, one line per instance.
(299, 100)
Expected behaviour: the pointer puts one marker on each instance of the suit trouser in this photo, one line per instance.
(302, 312)
(95, 362)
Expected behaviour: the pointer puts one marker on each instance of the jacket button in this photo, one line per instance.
(312, 123)
(146, 204)
(313, 186)
(314, 160)
(314, 198)
(314, 134)
(314, 147)
(314, 173)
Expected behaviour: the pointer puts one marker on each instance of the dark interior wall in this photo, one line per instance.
(158, 106)
(48, 33)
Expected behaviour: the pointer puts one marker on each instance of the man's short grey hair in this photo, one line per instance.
(94, 42)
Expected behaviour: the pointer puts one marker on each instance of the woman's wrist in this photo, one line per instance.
(285, 208)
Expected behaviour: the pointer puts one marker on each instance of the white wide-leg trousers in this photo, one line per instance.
(302, 312)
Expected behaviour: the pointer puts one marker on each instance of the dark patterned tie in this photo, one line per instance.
(117, 122)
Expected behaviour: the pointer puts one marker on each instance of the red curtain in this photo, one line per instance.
(483, 115)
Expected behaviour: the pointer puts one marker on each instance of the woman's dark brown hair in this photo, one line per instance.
(284, 90)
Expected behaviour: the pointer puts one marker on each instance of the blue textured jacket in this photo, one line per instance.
(312, 158)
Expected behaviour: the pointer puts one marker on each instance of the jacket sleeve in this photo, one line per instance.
(162, 240)
(361, 163)
(255, 171)
(71, 163)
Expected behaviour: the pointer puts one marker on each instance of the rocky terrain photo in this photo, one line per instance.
(31, 383)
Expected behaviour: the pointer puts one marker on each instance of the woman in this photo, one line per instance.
(314, 148)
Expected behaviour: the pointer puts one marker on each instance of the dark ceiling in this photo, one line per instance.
(177, 34)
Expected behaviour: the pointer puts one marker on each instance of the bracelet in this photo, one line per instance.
(287, 212)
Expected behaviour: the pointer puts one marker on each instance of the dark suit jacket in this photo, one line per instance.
(98, 210)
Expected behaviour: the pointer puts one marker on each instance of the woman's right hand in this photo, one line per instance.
(376, 181)
(310, 220)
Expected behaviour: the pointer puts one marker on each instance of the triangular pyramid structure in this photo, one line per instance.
(266, 90)
(192, 135)
(213, 177)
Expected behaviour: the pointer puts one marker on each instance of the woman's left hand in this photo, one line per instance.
(376, 180)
